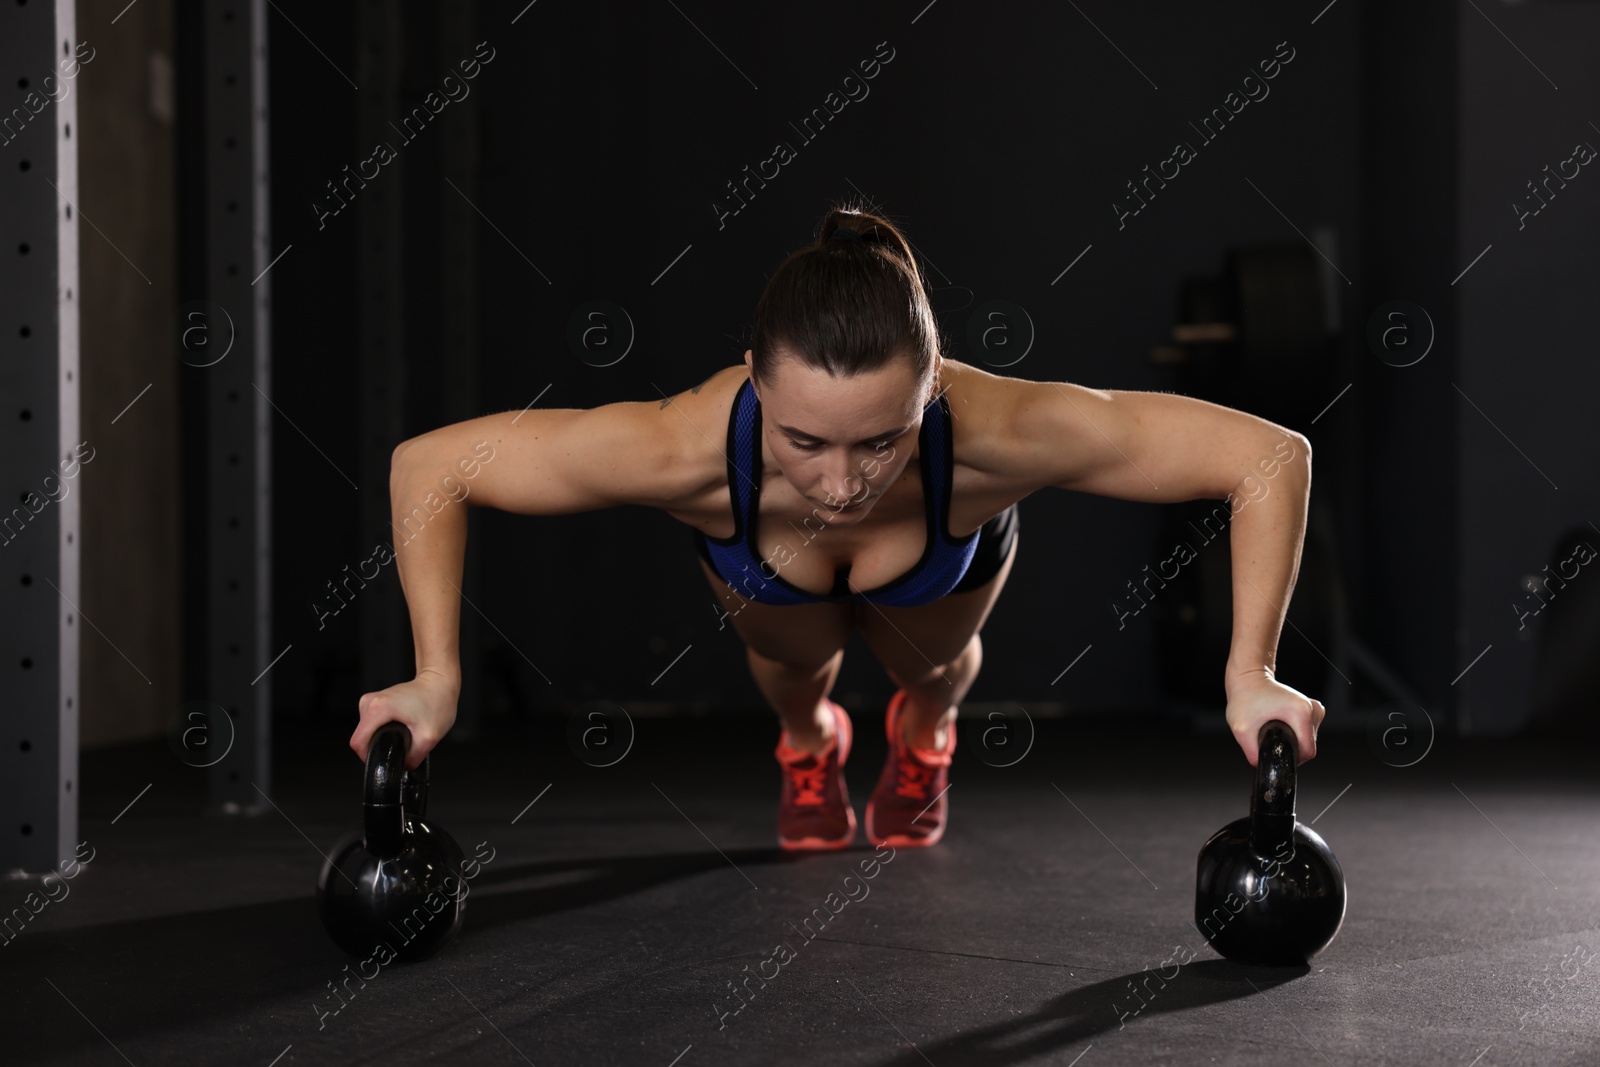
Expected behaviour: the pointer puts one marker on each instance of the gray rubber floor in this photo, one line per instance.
(620, 907)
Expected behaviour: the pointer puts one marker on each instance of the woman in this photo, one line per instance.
(849, 477)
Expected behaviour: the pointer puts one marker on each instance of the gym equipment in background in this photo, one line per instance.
(1262, 336)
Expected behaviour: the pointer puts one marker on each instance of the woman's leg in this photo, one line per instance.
(933, 652)
(795, 692)
(794, 652)
(932, 698)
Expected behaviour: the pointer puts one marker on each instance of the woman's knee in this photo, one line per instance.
(793, 662)
(964, 666)
(974, 649)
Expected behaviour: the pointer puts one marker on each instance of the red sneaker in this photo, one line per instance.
(814, 810)
(909, 809)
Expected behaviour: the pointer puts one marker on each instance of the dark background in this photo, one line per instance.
(998, 138)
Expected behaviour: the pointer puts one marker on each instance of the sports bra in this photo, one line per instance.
(737, 559)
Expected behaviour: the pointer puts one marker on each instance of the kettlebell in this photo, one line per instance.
(1269, 890)
(397, 880)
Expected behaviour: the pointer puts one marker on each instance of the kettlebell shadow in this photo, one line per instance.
(1092, 1010)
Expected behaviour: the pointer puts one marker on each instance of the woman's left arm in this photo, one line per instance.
(1161, 447)
(1268, 528)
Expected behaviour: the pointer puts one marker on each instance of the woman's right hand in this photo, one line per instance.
(426, 704)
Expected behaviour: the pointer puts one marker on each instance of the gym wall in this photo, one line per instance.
(1529, 458)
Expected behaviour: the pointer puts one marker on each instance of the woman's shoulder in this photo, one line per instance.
(715, 391)
(982, 409)
(995, 447)
(977, 384)
(692, 434)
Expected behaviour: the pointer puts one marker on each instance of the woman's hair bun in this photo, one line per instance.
(847, 306)
(872, 228)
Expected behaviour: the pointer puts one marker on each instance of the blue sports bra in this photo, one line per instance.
(737, 558)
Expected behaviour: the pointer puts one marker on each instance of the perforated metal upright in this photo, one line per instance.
(39, 433)
(238, 412)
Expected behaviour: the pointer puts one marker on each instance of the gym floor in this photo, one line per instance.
(621, 902)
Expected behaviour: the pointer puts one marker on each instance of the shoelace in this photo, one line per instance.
(809, 782)
(914, 777)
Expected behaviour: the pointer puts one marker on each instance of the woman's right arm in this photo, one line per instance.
(534, 462)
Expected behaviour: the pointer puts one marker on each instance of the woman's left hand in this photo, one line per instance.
(1255, 699)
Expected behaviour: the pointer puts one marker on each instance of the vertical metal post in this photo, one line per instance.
(238, 411)
(39, 436)
(379, 44)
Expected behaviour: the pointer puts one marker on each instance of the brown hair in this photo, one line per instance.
(846, 306)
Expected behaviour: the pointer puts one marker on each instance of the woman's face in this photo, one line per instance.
(842, 441)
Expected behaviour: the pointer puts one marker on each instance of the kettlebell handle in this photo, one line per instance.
(1272, 801)
(391, 790)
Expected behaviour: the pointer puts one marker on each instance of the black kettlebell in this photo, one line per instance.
(1269, 890)
(397, 880)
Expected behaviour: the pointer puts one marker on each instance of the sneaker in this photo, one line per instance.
(909, 808)
(814, 810)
